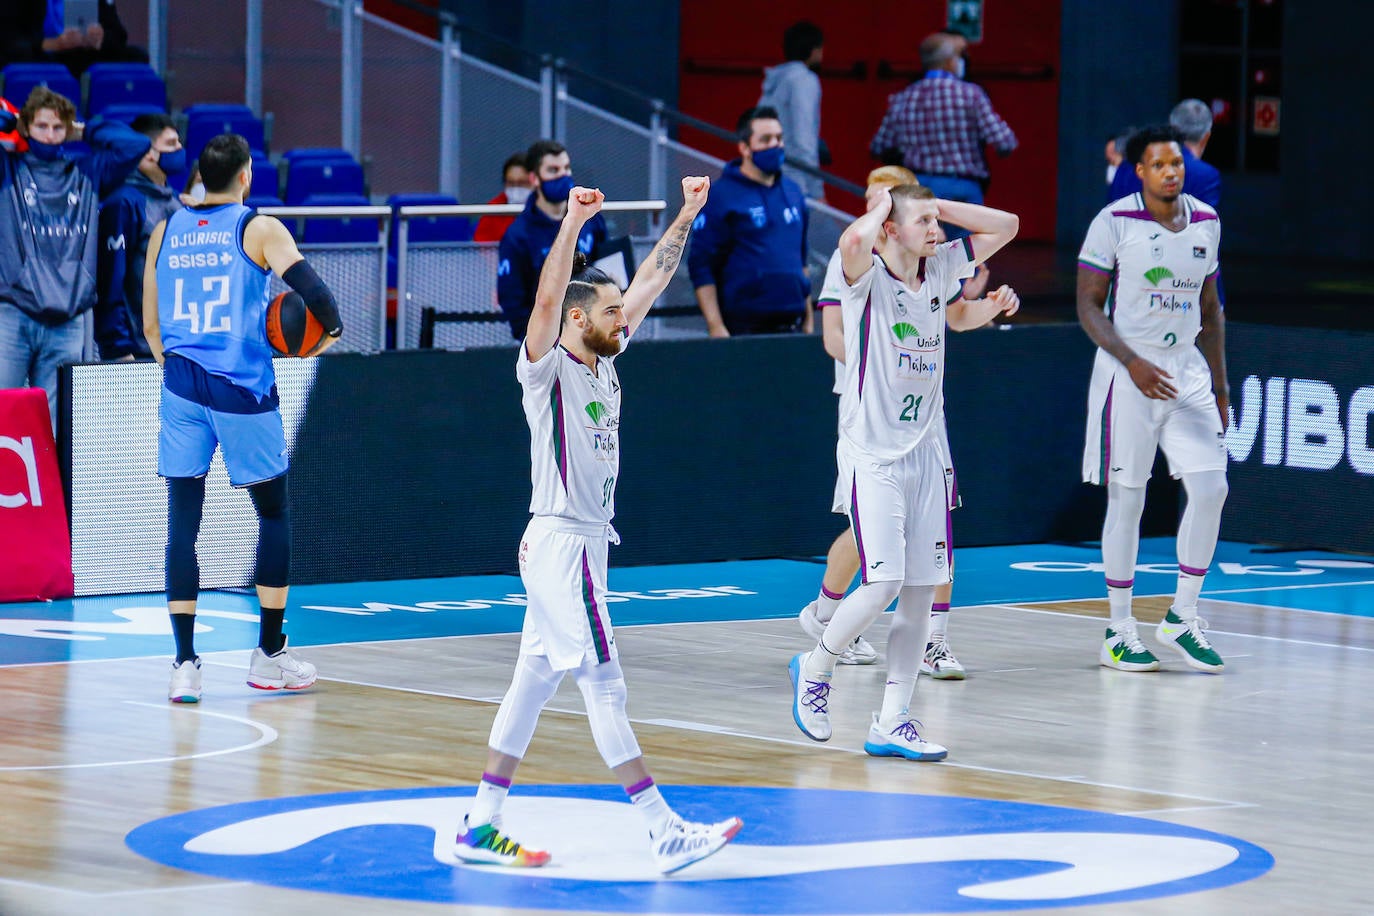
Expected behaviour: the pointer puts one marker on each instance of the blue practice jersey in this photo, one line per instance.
(212, 298)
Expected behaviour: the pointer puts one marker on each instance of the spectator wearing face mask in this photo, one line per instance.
(748, 254)
(526, 243)
(127, 219)
(517, 190)
(50, 198)
(939, 126)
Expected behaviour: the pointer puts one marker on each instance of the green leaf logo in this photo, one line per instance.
(1156, 274)
(904, 330)
(597, 410)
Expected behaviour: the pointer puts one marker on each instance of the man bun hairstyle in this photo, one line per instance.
(582, 288)
(221, 160)
(1154, 133)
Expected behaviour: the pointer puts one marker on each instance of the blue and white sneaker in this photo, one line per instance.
(901, 740)
(810, 700)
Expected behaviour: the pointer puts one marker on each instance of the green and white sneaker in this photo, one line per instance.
(1123, 650)
(1186, 637)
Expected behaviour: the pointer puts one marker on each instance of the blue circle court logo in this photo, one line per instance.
(887, 853)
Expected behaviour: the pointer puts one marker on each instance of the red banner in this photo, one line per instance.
(35, 545)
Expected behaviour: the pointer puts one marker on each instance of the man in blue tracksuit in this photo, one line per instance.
(526, 243)
(49, 203)
(748, 254)
(127, 218)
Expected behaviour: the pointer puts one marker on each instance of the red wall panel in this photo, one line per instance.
(725, 44)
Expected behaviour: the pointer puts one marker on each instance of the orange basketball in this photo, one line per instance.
(291, 329)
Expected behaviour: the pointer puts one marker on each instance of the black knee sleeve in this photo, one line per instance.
(274, 532)
(185, 500)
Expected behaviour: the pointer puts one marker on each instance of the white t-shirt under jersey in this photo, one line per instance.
(574, 420)
(1156, 274)
(894, 344)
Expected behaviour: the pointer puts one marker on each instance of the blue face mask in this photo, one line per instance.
(556, 190)
(45, 151)
(172, 163)
(768, 161)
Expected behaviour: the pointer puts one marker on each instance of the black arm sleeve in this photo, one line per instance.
(302, 278)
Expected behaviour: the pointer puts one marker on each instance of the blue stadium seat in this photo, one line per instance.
(21, 78)
(263, 200)
(322, 176)
(316, 152)
(123, 86)
(430, 228)
(266, 182)
(127, 113)
(347, 229)
(206, 121)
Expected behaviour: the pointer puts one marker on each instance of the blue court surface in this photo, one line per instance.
(131, 626)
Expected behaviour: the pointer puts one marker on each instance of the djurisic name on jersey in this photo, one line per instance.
(195, 239)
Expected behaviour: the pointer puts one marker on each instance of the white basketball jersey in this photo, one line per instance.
(831, 289)
(894, 339)
(574, 420)
(1156, 274)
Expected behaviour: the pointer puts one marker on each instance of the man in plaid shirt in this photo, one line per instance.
(940, 124)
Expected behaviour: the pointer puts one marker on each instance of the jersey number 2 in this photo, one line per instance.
(204, 321)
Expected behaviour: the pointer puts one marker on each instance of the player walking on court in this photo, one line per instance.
(893, 304)
(842, 559)
(566, 366)
(1147, 296)
(205, 293)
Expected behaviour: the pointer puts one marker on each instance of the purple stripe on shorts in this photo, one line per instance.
(858, 532)
(646, 783)
(1107, 435)
(829, 594)
(496, 780)
(1192, 570)
(1120, 583)
(939, 607)
(603, 651)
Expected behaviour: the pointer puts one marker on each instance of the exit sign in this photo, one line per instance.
(966, 18)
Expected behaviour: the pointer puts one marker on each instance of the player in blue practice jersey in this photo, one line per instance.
(205, 294)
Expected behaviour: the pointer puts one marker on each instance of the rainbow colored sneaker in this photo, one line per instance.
(487, 845)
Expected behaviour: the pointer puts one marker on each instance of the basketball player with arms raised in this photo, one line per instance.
(894, 307)
(1147, 296)
(842, 559)
(566, 366)
(205, 292)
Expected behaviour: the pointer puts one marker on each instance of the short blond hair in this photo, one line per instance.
(891, 176)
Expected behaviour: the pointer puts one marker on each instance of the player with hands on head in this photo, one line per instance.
(893, 302)
(571, 394)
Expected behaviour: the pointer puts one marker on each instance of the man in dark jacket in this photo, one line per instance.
(526, 243)
(127, 218)
(36, 31)
(748, 254)
(49, 202)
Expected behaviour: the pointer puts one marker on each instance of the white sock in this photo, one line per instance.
(1185, 595)
(819, 663)
(826, 602)
(491, 795)
(1119, 601)
(896, 699)
(649, 802)
(939, 622)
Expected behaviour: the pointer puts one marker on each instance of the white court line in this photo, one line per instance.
(180, 888)
(266, 735)
(798, 742)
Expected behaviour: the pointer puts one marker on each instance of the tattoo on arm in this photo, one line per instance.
(669, 250)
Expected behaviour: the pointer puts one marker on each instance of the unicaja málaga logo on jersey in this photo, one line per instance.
(1301, 423)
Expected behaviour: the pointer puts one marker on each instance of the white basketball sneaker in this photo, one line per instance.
(185, 685)
(901, 739)
(281, 671)
(683, 843)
